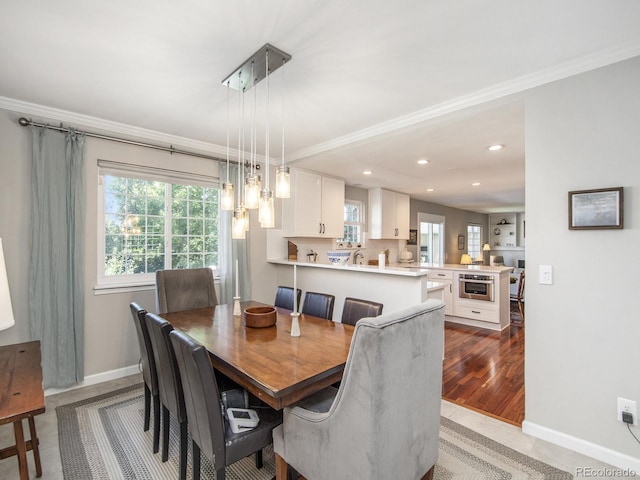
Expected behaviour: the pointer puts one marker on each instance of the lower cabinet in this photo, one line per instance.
(477, 311)
(446, 277)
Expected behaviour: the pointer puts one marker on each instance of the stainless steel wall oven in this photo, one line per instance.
(476, 287)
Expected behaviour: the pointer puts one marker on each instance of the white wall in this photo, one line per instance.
(582, 332)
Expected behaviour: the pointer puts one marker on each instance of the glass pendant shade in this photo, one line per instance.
(238, 229)
(266, 214)
(283, 183)
(252, 192)
(226, 197)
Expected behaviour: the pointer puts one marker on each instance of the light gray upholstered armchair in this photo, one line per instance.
(384, 420)
(185, 289)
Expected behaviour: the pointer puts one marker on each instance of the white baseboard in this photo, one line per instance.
(617, 459)
(97, 378)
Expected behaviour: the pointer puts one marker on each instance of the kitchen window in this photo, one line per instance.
(152, 222)
(353, 222)
(474, 241)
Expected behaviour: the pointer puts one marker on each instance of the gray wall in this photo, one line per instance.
(110, 342)
(582, 331)
(455, 224)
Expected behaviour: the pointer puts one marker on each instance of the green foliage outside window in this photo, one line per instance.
(142, 235)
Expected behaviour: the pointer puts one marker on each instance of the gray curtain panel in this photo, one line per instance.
(56, 275)
(229, 250)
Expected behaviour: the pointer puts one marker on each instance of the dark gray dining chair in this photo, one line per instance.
(185, 289)
(169, 386)
(149, 375)
(284, 297)
(354, 309)
(318, 305)
(210, 435)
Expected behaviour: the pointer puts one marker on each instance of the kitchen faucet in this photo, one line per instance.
(357, 254)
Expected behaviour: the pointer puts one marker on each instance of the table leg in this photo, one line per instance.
(281, 468)
(21, 449)
(35, 446)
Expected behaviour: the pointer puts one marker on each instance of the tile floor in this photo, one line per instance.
(47, 427)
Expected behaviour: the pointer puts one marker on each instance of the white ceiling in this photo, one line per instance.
(372, 84)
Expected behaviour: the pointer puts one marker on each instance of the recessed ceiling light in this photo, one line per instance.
(496, 147)
(475, 184)
(423, 161)
(367, 172)
(429, 189)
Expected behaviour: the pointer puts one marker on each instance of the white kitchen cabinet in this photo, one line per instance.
(446, 277)
(388, 214)
(316, 206)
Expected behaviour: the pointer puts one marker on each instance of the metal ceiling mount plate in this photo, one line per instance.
(241, 79)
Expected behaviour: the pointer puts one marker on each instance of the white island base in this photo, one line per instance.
(395, 288)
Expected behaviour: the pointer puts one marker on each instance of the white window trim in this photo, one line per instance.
(362, 223)
(126, 283)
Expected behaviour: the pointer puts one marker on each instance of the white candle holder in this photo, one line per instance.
(295, 324)
(236, 306)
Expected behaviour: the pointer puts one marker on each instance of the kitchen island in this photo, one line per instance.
(395, 287)
(398, 286)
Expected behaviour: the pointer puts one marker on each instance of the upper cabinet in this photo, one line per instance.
(316, 206)
(388, 214)
(506, 230)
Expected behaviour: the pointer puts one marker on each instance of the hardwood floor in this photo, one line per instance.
(484, 370)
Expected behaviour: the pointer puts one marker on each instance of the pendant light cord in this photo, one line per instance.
(266, 142)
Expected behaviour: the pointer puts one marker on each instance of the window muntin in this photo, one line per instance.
(353, 222)
(474, 241)
(150, 224)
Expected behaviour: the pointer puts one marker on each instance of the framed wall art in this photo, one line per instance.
(460, 242)
(596, 209)
(413, 237)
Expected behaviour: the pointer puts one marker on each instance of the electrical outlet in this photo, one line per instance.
(628, 406)
(546, 274)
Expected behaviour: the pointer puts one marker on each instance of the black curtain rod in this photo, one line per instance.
(25, 123)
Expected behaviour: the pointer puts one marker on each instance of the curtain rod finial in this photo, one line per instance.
(23, 121)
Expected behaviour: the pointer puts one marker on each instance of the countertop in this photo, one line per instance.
(401, 269)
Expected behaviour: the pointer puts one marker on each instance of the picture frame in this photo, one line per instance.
(461, 242)
(413, 237)
(596, 209)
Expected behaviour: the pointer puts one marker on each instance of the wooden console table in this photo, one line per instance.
(21, 396)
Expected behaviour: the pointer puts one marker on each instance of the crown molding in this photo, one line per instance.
(495, 92)
(79, 120)
(520, 84)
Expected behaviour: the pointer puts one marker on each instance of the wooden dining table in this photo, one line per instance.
(277, 368)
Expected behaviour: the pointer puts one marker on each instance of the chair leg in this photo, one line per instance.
(156, 423)
(521, 308)
(147, 407)
(429, 474)
(259, 459)
(165, 434)
(183, 450)
(196, 460)
(292, 474)
(220, 475)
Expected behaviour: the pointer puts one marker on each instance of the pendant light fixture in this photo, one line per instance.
(226, 196)
(239, 223)
(252, 182)
(258, 67)
(266, 211)
(283, 183)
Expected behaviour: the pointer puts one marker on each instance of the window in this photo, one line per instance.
(150, 224)
(431, 238)
(353, 222)
(474, 241)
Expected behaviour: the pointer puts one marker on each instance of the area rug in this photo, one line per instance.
(102, 438)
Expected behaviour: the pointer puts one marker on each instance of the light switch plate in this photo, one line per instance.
(546, 274)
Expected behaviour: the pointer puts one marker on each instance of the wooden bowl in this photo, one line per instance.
(260, 317)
